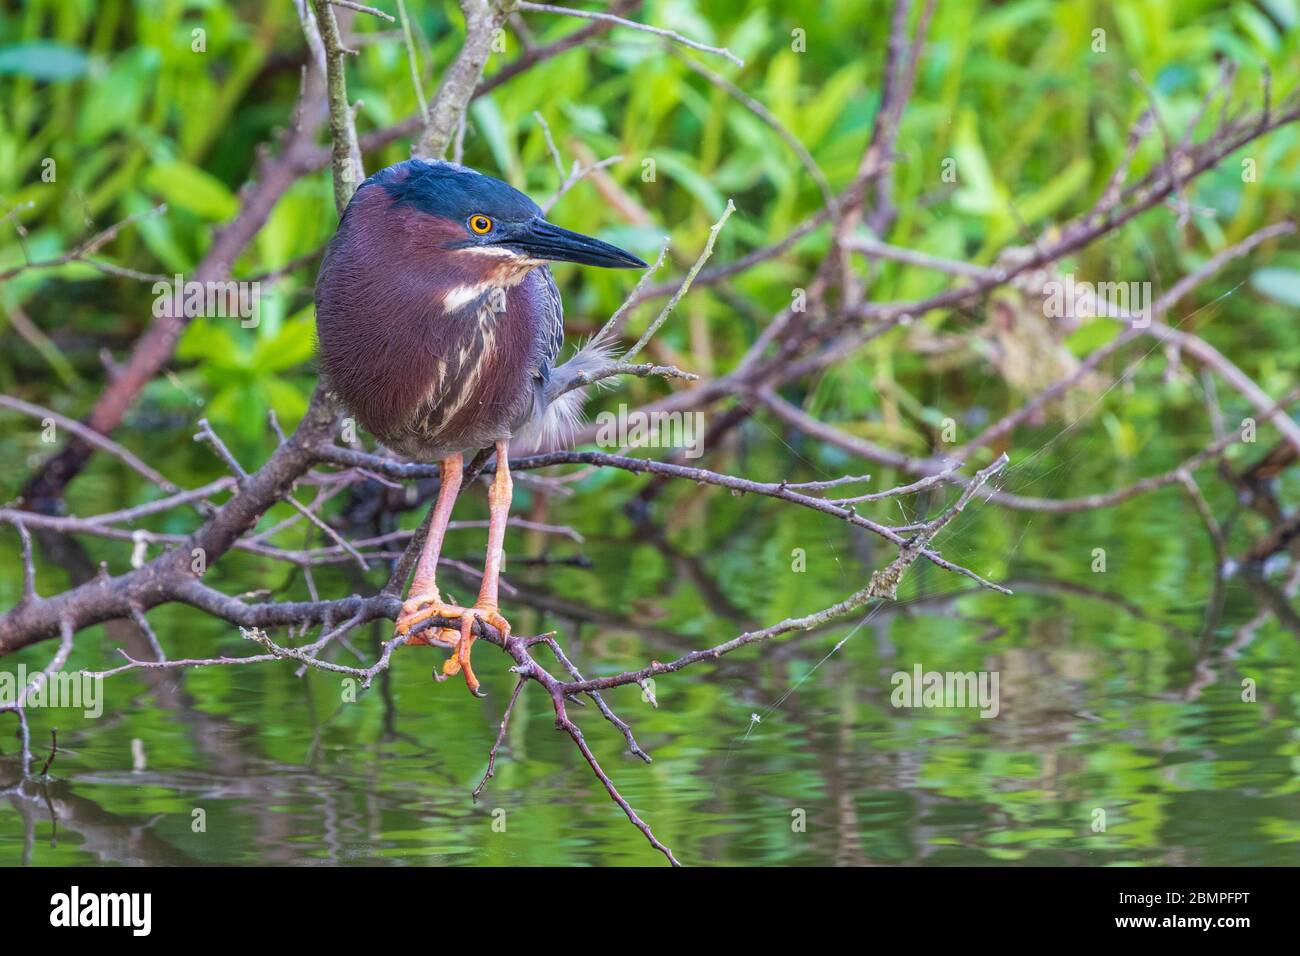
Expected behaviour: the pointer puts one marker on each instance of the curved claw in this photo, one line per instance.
(419, 609)
(460, 661)
(453, 666)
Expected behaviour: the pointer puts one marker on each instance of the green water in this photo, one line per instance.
(1120, 692)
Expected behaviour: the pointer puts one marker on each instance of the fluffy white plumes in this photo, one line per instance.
(555, 422)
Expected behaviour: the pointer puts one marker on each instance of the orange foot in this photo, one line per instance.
(419, 608)
(459, 661)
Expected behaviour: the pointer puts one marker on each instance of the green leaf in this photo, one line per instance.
(291, 346)
(43, 60)
(979, 191)
(489, 123)
(1063, 187)
(211, 342)
(189, 187)
(1091, 336)
(828, 104)
(114, 100)
(681, 170)
(289, 403)
(236, 406)
(1279, 284)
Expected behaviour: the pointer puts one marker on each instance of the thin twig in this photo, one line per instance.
(501, 735)
(362, 8)
(631, 24)
(685, 286)
(91, 437)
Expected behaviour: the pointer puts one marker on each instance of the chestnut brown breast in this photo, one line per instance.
(426, 367)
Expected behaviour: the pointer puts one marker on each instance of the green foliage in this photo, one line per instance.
(117, 95)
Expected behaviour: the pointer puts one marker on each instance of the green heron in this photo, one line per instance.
(439, 324)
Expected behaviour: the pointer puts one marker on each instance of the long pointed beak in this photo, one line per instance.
(543, 240)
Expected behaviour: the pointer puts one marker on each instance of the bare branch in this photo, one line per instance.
(501, 736)
(666, 311)
(91, 437)
(524, 5)
(362, 8)
(483, 18)
(348, 172)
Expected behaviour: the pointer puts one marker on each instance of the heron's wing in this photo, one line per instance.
(552, 317)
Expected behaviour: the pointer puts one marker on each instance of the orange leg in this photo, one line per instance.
(499, 495)
(423, 600)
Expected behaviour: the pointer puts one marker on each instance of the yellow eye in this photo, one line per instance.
(480, 224)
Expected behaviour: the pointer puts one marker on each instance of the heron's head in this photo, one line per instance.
(481, 224)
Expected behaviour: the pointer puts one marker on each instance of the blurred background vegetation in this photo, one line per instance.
(114, 94)
(132, 116)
